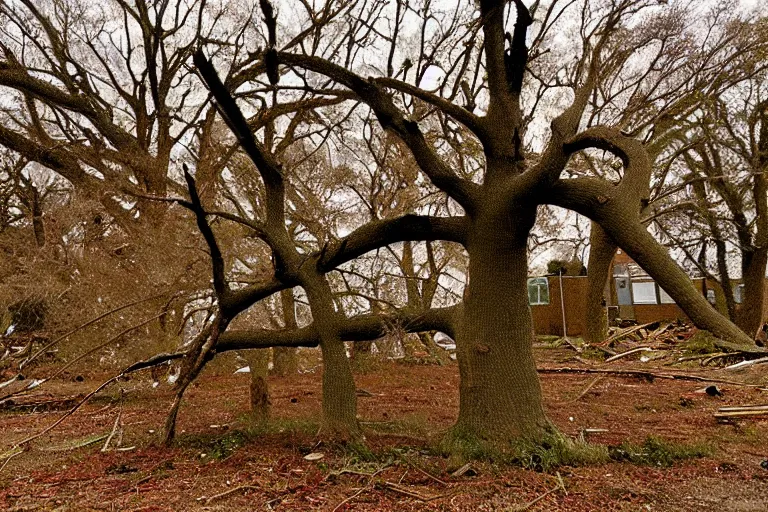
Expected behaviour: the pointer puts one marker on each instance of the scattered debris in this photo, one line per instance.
(744, 364)
(741, 411)
(466, 469)
(625, 332)
(560, 485)
(663, 338)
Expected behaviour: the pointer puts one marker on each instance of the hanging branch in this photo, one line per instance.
(217, 261)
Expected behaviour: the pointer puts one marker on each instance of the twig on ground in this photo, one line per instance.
(628, 353)
(226, 493)
(586, 389)
(744, 364)
(112, 434)
(360, 491)
(425, 473)
(13, 454)
(350, 498)
(413, 494)
(560, 485)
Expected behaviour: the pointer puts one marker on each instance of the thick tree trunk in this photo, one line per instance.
(285, 359)
(599, 271)
(258, 361)
(500, 393)
(750, 316)
(339, 398)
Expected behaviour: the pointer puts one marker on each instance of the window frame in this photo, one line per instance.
(647, 302)
(538, 282)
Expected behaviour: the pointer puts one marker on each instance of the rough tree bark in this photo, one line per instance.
(339, 397)
(286, 359)
(599, 272)
(500, 393)
(258, 361)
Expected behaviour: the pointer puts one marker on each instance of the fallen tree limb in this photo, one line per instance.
(560, 485)
(744, 364)
(647, 375)
(740, 414)
(624, 333)
(628, 353)
(153, 361)
(86, 324)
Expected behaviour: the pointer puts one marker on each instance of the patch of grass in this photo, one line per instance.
(593, 353)
(551, 451)
(655, 451)
(702, 342)
(215, 446)
(278, 426)
(557, 450)
(413, 425)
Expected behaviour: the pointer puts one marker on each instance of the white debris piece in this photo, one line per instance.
(35, 383)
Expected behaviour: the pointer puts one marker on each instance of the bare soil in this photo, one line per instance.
(222, 462)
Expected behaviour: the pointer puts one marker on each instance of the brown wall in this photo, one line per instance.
(645, 313)
(548, 319)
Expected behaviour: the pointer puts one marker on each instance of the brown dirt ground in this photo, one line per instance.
(410, 407)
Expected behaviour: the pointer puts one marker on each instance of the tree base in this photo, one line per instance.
(548, 450)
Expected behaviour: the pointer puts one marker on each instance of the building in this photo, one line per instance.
(630, 294)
